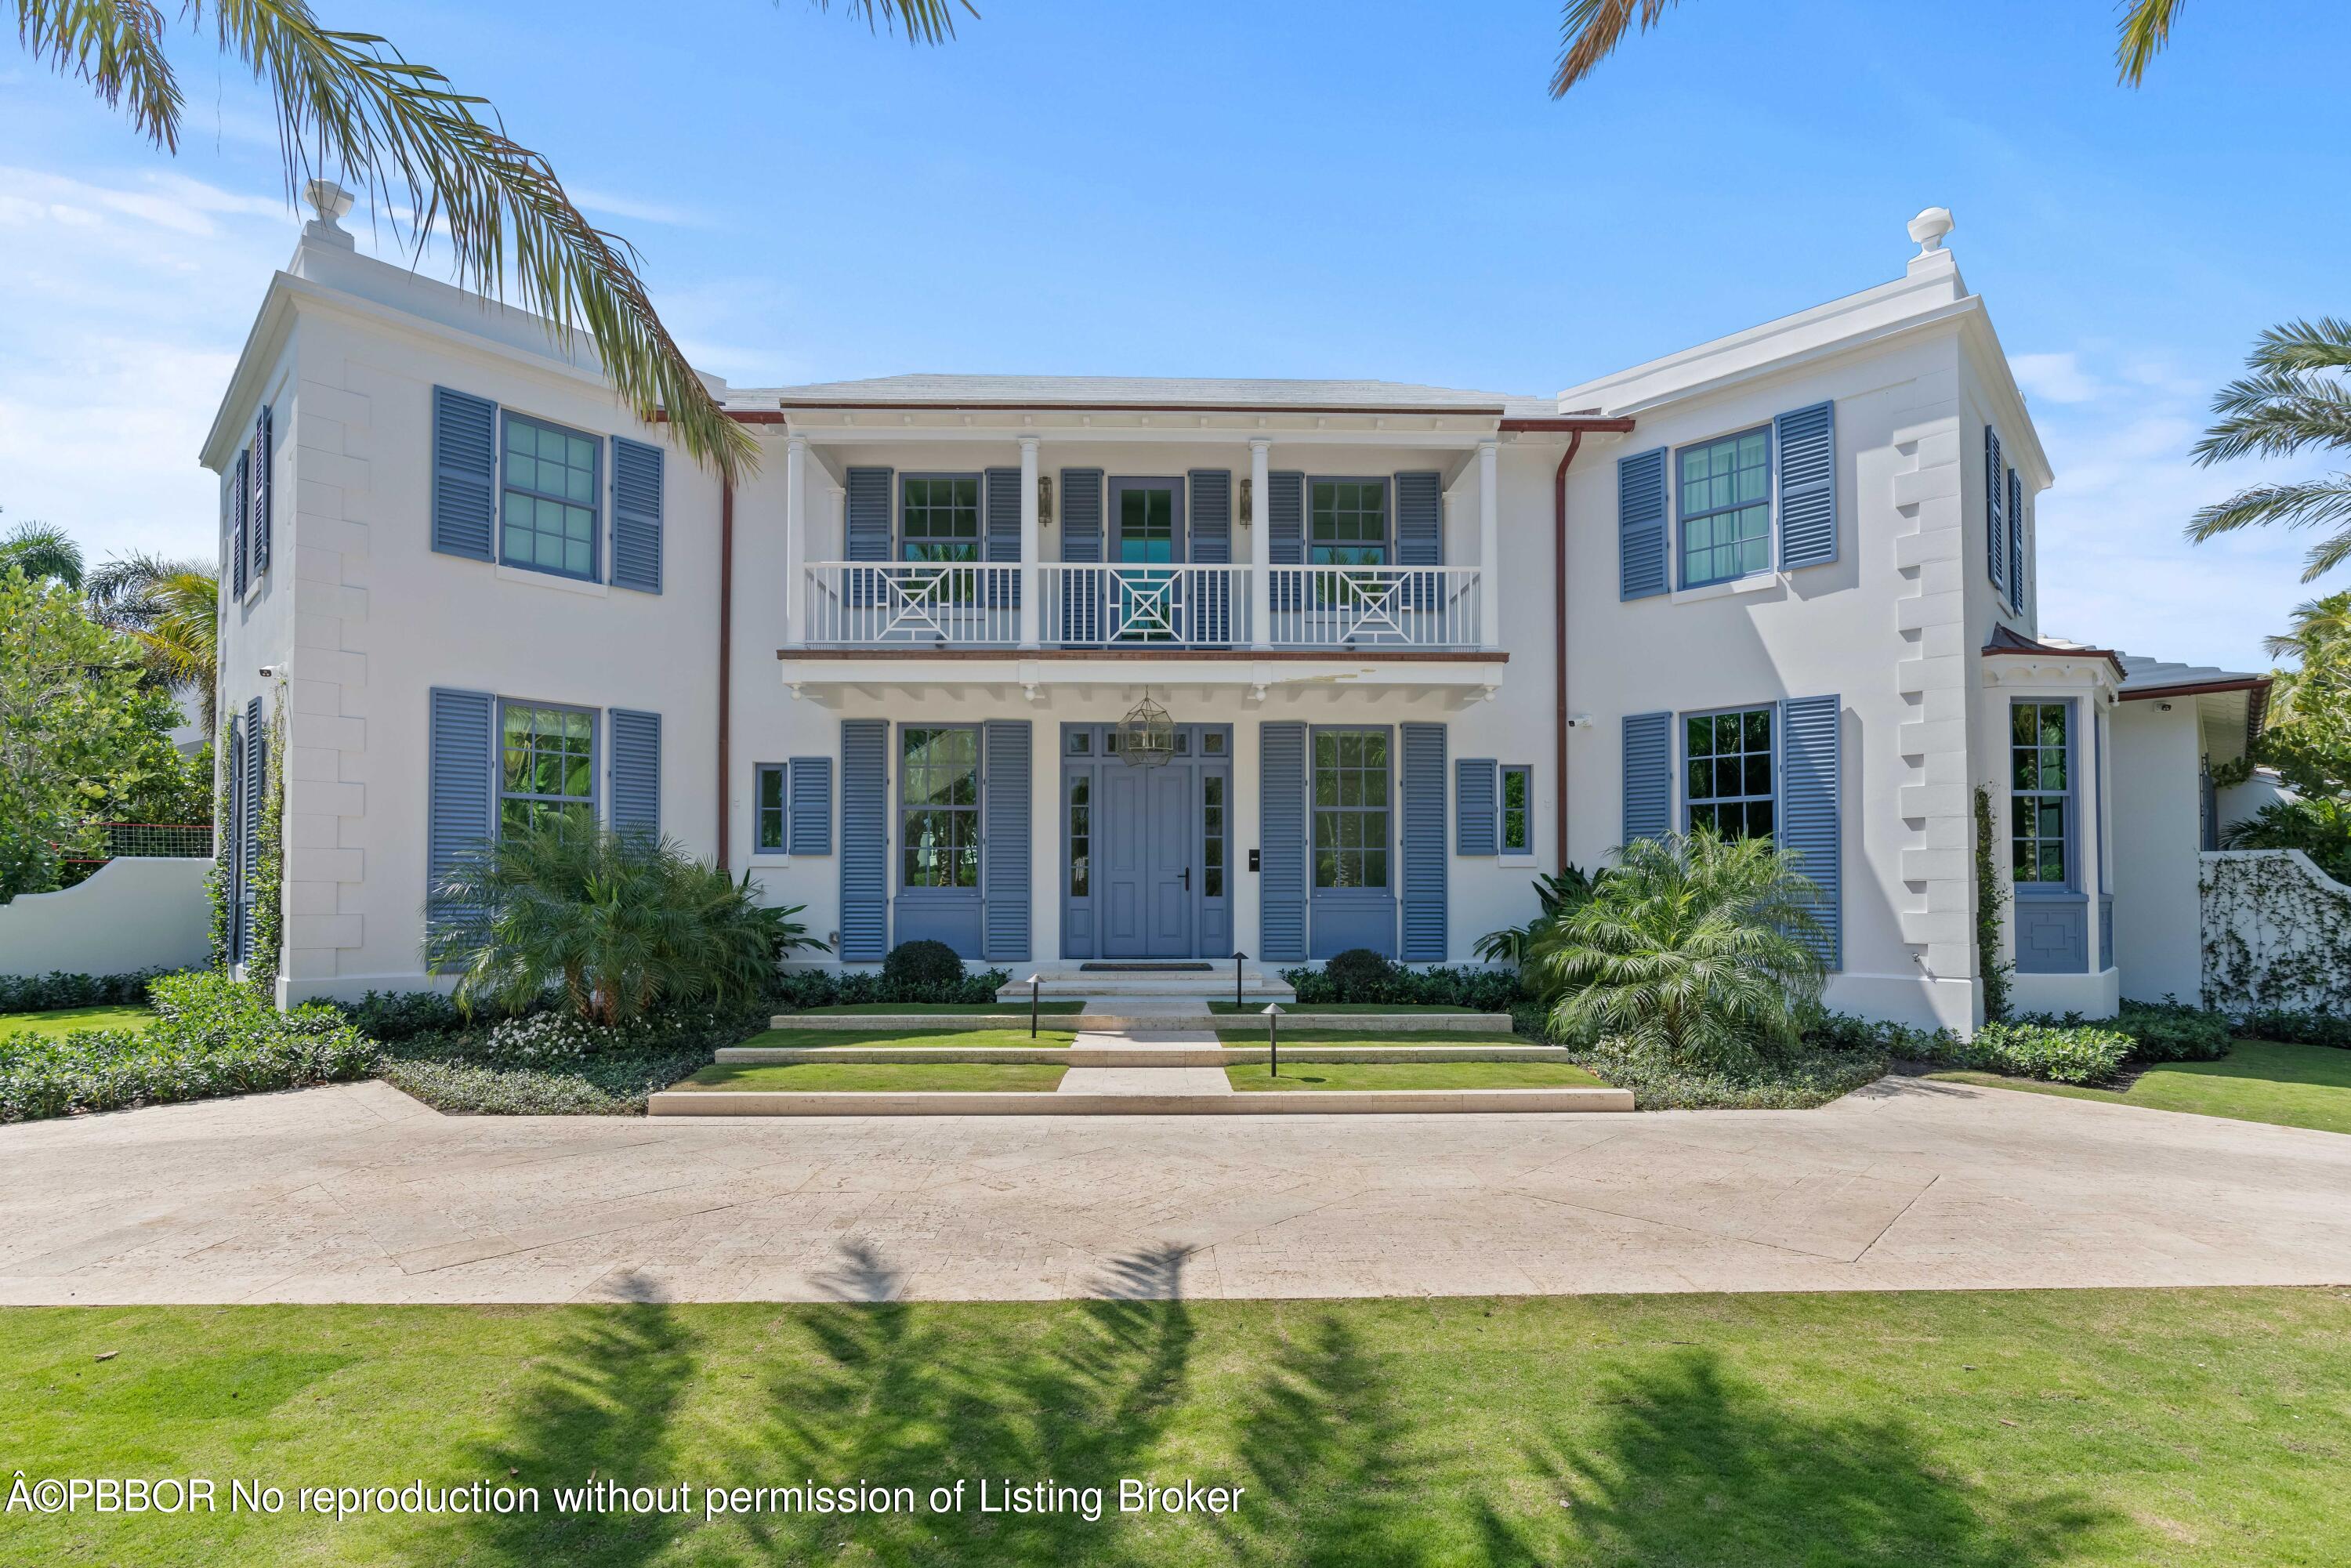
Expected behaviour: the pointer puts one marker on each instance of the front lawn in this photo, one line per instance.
(2258, 1081)
(1374, 1041)
(1416, 1075)
(64, 1020)
(1336, 1007)
(880, 1077)
(926, 1039)
(925, 1010)
(2000, 1429)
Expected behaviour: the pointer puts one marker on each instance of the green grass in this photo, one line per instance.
(64, 1020)
(893, 1077)
(913, 1009)
(1335, 1007)
(2258, 1081)
(959, 1038)
(1310, 1075)
(1997, 1430)
(1373, 1041)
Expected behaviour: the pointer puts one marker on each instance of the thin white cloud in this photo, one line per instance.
(2055, 378)
(604, 204)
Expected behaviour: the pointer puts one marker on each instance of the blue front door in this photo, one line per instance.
(1148, 825)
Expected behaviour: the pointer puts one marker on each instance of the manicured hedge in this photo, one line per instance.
(1363, 976)
(47, 993)
(823, 989)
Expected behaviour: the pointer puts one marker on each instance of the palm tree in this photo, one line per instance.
(1556, 894)
(1700, 949)
(171, 609)
(42, 550)
(351, 103)
(1590, 31)
(2297, 398)
(2320, 625)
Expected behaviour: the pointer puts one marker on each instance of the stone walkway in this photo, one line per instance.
(1145, 1079)
(357, 1193)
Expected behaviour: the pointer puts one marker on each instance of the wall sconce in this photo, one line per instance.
(1248, 502)
(1044, 500)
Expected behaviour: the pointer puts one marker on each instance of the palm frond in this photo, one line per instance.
(2314, 503)
(922, 21)
(2321, 345)
(2144, 33)
(117, 46)
(2317, 623)
(1590, 31)
(2276, 413)
(121, 590)
(42, 550)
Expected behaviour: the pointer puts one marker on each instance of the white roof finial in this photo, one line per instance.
(1929, 227)
(327, 199)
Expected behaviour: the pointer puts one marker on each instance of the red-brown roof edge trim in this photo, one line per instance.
(1572, 422)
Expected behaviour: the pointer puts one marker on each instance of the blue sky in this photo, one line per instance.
(1308, 190)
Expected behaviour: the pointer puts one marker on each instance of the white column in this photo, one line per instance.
(1029, 551)
(2090, 768)
(795, 535)
(1489, 547)
(1260, 584)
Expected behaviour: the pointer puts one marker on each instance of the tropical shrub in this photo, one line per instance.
(2321, 828)
(392, 1017)
(1695, 948)
(801, 988)
(1555, 894)
(2081, 1054)
(590, 1086)
(922, 971)
(2297, 1026)
(1442, 986)
(614, 923)
(1795, 1081)
(42, 993)
(2171, 1031)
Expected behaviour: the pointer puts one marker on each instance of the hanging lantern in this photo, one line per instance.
(1146, 735)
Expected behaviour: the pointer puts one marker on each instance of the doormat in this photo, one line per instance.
(1146, 968)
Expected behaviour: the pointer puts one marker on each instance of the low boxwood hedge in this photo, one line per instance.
(55, 990)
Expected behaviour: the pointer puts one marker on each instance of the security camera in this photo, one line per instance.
(271, 672)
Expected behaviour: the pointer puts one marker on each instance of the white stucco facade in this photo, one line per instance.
(361, 619)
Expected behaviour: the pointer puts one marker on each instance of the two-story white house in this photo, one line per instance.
(1412, 645)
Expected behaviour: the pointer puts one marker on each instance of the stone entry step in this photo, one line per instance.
(1127, 1018)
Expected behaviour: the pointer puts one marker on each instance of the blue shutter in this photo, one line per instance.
(461, 807)
(636, 743)
(1807, 441)
(241, 492)
(1420, 534)
(1641, 524)
(869, 528)
(1474, 785)
(1648, 774)
(1281, 815)
(256, 765)
(464, 474)
(637, 471)
(1426, 861)
(230, 838)
(1081, 540)
(1004, 836)
(1001, 531)
(1212, 545)
(1995, 547)
(257, 526)
(1285, 513)
(1808, 816)
(810, 828)
(865, 840)
(2015, 540)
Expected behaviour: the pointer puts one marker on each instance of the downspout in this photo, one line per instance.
(726, 651)
(1559, 636)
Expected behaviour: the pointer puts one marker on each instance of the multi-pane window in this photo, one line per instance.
(549, 509)
(939, 518)
(1212, 829)
(1146, 525)
(939, 819)
(1726, 508)
(1082, 836)
(546, 766)
(1728, 762)
(2040, 816)
(768, 800)
(1348, 523)
(1517, 814)
(1351, 808)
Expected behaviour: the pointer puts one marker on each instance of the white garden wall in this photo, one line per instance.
(2277, 933)
(132, 914)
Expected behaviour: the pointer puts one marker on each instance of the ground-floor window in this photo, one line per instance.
(1212, 829)
(769, 803)
(1518, 836)
(547, 765)
(2040, 793)
(939, 806)
(1728, 782)
(1351, 809)
(1081, 835)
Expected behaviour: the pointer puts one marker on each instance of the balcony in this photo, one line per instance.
(1336, 610)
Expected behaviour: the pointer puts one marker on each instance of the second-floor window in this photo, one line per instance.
(1726, 508)
(1728, 758)
(1347, 524)
(549, 506)
(2040, 816)
(546, 766)
(939, 518)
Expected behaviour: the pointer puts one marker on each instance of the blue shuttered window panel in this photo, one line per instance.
(1425, 860)
(464, 474)
(811, 816)
(1000, 533)
(1810, 819)
(256, 772)
(1641, 524)
(461, 801)
(1285, 513)
(1474, 788)
(240, 487)
(1281, 805)
(636, 755)
(1004, 869)
(232, 837)
(1420, 534)
(1808, 530)
(865, 840)
(868, 526)
(637, 543)
(257, 521)
(2015, 541)
(1081, 540)
(1995, 547)
(1212, 545)
(1648, 774)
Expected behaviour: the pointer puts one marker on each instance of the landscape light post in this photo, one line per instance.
(1032, 1006)
(1273, 1039)
(1238, 957)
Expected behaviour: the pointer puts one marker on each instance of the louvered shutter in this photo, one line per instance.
(1641, 524)
(638, 471)
(1995, 546)
(240, 487)
(635, 772)
(464, 474)
(810, 781)
(256, 773)
(1004, 859)
(1475, 783)
(1082, 595)
(461, 801)
(1285, 515)
(865, 840)
(1281, 806)
(1000, 525)
(1807, 443)
(1808, 816)
(1212, 545)
(1420, 534)
(1425, 860)
(257, 524)
(1648, 776)
(869, 528)
(2015, 541)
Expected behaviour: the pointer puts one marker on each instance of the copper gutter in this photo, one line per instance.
(726, 648)
(1559, 634)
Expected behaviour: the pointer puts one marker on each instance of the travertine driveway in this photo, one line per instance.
(358, 1194)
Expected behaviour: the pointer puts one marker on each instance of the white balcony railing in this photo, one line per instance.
(911, 605)
(1374, 606)
(1085, 606)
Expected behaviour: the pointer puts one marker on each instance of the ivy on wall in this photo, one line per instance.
(216, 881)
(2277, 933)
(1992, 897)
(269, 857)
